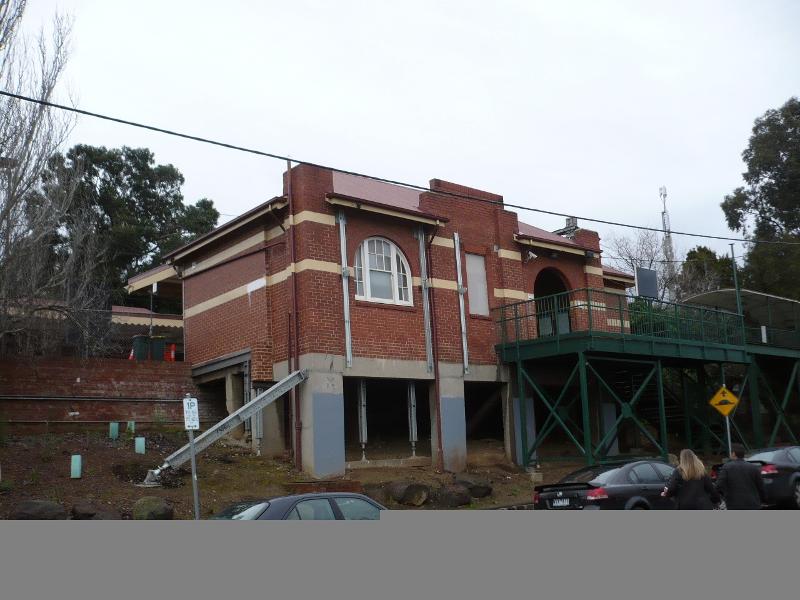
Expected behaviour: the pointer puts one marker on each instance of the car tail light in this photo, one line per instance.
(769, 470)
(535, 497)
(597, 494)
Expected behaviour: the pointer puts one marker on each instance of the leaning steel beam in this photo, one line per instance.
(208, 437)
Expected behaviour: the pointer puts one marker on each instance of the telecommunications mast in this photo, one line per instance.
(669, 252)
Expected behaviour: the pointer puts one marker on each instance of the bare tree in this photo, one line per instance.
(46, 253)
(643, 249)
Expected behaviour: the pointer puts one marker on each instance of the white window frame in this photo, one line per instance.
(395, 255)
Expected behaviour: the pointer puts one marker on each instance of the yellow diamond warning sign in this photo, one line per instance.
(724, 401)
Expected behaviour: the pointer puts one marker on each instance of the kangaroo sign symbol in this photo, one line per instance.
(724, 401)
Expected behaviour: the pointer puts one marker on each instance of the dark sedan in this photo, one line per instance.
(780, 469)
(620, 486)
(333, 506)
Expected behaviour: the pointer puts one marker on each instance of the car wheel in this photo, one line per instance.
(638, 507)
(797, 493)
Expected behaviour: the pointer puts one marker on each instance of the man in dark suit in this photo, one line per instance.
(740, 482)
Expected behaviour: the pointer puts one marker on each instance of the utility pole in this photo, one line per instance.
(669, 252)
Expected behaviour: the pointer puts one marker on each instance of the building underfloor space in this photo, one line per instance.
(387, 422)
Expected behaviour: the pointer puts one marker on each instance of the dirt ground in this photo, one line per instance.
(37, 467)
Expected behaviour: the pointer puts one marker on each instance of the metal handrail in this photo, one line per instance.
(592, 310)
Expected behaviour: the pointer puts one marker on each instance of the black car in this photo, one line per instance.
(333, 506)
(780, 469)
(620, 486)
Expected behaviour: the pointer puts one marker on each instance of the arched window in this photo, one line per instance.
(382, 273)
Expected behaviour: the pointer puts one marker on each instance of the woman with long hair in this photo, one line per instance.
(690, 485)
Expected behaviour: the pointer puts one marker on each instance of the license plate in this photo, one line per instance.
(559, 502)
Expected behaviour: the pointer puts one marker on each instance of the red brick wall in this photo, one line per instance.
(381, 331)
(98, 389)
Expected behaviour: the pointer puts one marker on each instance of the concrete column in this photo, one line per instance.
(234, 400)
(273, 442)
(453, 423)
(529, 426)
(322, 414)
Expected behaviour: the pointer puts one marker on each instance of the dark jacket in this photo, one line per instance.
(741, 485)
(693, 494)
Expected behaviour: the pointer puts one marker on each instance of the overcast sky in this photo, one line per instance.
(578, 107)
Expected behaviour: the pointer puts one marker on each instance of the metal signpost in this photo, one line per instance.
(191, 419)
(725, 402)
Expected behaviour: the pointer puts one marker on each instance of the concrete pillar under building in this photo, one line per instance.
(322, 415)
(234, 400)
(453, 425)
(273, 440)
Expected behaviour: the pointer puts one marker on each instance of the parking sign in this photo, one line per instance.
(191, 414)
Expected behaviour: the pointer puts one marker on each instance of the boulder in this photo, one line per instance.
(151, 508)
(107, 514)
(453, 495)
(396, 489)
(477, 486)
(84, 509)
(415, 494)
(39, 510)
(377, 492)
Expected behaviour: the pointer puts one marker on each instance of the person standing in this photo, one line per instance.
(690, 485)
(740, 482)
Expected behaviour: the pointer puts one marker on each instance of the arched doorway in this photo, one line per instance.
(552, 303)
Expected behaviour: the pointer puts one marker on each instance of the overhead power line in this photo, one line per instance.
(376, 178)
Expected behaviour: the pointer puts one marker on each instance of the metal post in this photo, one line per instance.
(362, 417)
(195, 491)
(348, 340)
(587, 432)
(461, 291)
(728, 432)
(739, 294)
(412, 418)
(426, 309)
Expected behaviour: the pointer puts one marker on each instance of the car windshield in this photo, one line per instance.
(766, 456)
(243, 511)
(599, 475)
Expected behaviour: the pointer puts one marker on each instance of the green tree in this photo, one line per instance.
(136, 208)
(768, 206)
(703, 271)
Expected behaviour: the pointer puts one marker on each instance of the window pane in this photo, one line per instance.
(794, 454)
(664, 470)
(477, 291)
(318, 509)
(293, 516)
(646, 474)
(359, 273)
(354, 509)
(380, 283)
(402, 280)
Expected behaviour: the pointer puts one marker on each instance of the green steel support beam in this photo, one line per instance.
(553, 412)
(705, 411)
(587, 431)
(753, 377)
(662, 413)
(781, 412)
(688, 410)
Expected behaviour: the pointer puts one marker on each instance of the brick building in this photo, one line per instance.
(385, 295)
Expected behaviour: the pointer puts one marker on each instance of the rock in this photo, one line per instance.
(453, 495)
(107, 514)
(415, 494)
(152, 508)
(477, 486)
(377, 492)
(39, 510)
(84, 509)
(396, 489)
